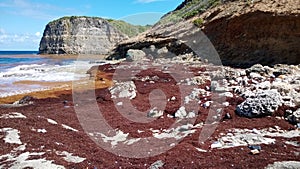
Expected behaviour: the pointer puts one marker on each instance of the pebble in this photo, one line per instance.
(216, 144)
(226, 104)
(156, 165)
(254, 152)
(255, 147)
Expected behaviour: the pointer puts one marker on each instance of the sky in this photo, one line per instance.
(22, 22)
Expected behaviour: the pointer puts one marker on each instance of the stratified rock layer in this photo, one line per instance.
(79, 35)
(244, 33)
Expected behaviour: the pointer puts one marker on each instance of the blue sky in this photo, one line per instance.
(22, 22)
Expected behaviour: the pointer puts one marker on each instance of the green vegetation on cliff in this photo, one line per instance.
(189, 9)
(124, 27)
(128, 29)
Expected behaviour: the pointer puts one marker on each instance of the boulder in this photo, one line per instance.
(263, 103)
(135, 55)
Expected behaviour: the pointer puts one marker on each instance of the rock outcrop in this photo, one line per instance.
(79, 35)
(244, 33)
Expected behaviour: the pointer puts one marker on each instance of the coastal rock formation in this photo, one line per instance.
(246, 33)
(243, 32)
(79, 35)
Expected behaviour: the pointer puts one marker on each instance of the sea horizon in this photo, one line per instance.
(18, 52)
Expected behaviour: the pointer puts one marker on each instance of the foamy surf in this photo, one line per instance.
(54, 71)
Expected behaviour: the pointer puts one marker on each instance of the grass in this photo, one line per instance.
(198, 22)
(190, 9)
(124, 27)
(128, 29)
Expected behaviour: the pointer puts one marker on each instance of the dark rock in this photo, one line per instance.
(294, 118)
(25, 100)
(255, 147)
(227, 116)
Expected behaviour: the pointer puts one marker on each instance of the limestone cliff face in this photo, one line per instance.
(243, 32)
(79, 35)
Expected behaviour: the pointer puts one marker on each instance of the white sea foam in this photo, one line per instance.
(47, 72)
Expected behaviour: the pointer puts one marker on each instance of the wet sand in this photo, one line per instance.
(57, 88)
(54, 89)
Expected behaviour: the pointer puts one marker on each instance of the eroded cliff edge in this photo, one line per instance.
(80, 35)
(243, 32)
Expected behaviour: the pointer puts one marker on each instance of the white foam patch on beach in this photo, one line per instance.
(70, 158)
(13, 115)
(69, 128)
(21, 161)
(11, 135)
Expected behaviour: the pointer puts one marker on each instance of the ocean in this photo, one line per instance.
(23, 71)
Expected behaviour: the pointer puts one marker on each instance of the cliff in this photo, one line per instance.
(79, 35)
(243, 32)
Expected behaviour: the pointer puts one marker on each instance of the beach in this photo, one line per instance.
(43, 76)
(62, 131)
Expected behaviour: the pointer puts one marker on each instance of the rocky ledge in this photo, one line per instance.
(79, 35)
(244, 33)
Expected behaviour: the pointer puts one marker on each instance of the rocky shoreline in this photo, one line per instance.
(55, 136)
(169, 102)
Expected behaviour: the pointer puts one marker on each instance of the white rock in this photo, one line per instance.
(226, 104)
(284, 164)
(70, 158)
(216, 145)
(173, 98)
(13, 115)
(181, 113)
(163, 50)
(135, 55)
(226, 94)
(120, 104)
(255, 75)
(156, 165)
(52, 121)
(11, 135)
(155, 113)
(114, 140)
(266, 85)
(264, 102)
(191, 115)
(69, 128)
(207, 104)
(123, 90)
(41, 130)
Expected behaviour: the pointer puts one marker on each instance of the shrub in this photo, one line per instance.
(198, 22)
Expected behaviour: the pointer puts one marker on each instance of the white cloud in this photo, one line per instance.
(147, 1)
(2, 31)
(38, 34)
(34, 9)
(19, 41)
